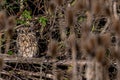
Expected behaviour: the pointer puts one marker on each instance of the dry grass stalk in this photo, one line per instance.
(90, 72)
(98, 71)
(72, 41)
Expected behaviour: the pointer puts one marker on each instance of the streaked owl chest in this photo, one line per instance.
(27, 44)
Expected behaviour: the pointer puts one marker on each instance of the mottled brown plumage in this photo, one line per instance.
(26, 42)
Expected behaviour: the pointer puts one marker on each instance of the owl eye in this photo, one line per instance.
(21, 31)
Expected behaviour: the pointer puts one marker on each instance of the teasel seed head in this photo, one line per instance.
(93, 40)
(3, 20)
(52, 6)
(69, 16)
(1, 63)
(80, 5)
(100, 53)
(59, 2)
(116, 53)
(10, 32)
(11, 22)
(87, 46)
(104, 39)
(107, 11)
(116, 26)
(52, 48)
(59, 75)
(85, 29)
(96, 8)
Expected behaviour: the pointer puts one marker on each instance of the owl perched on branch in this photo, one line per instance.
(26, 42)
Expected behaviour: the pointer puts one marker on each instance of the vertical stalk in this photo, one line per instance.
(74, 52)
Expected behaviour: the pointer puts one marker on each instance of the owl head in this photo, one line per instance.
(24, 30)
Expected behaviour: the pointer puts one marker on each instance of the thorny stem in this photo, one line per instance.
(74, 62)
(0, 42)
(115, 10)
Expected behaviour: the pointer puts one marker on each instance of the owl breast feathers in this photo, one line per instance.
(26, 43)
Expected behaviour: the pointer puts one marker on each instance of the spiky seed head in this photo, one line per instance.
(104, 39)
(116, 53)
(52, 48)
(87, 46)
(11, 21)
(96, 8)
(3, 20)
(107, 11)
(69, 16)
(93, 40)
(59, 2)
(10, 32)
(116, 26)
(59, 75)
(80, 5)
(85, 28)
(100, 53)
(1, 63)
(52, 6)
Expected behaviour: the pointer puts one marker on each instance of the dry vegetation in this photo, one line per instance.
(59, 40)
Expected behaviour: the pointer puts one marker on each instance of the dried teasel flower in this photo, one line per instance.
(89, 44)
(59, 2)
(52, 48)
(11, 21)
(69, 16)
(96, 7)
(3, 20)
(52, 6)
(86, 45)
(85, 29)
(10, 32)
(1, 64)
(10, 26)
(104, 39)
(93, 40)
(105, 62)
(100, 53)
(107, 11)
(116, 26)
(59, 75)
(80, 5)
(116, 53)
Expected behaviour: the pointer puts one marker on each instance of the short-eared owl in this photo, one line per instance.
(26, 42)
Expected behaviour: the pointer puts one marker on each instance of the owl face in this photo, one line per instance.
(26, 42)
